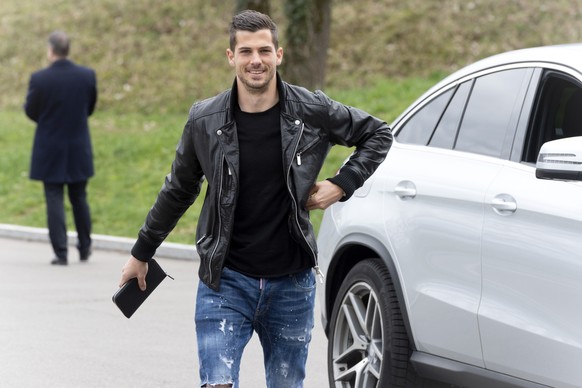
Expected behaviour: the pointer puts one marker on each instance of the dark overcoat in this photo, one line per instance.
(60, 100)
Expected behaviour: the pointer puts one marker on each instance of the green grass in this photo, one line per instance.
(134, 152)
(157, 56)
(154, 58)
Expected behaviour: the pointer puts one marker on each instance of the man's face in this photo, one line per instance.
(255, 60)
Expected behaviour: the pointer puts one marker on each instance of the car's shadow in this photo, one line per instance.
(428, 383)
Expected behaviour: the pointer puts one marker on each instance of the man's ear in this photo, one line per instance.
(279, 55)
(230, 56)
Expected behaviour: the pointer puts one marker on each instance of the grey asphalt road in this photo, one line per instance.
(59, 327)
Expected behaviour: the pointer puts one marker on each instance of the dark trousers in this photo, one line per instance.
(57, 225)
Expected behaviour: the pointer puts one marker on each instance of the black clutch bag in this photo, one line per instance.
(129, 297)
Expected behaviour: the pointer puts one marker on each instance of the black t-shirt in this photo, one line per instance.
(261, 244)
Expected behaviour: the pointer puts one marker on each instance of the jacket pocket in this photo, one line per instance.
(204, 245)
(226, 192)
(306, 145)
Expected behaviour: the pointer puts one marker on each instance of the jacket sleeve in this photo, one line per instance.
(180, 189)
(371, 137)
(93, 93)
(31, 104)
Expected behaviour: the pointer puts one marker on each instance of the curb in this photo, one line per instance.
(109, 243)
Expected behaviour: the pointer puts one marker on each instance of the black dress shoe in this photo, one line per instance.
(85, 256)
(57, 261)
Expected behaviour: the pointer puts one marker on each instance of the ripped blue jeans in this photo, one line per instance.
(280, 310)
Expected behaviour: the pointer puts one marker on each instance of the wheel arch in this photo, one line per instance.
(350, 251)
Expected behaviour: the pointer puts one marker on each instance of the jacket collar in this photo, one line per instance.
(61, 62)
(282, 91)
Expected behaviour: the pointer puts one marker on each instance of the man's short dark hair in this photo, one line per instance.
(59, 43)
(252, 21)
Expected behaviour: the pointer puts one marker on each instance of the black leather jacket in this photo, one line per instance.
(310, 124)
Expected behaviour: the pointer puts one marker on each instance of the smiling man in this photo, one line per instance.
(260, 146)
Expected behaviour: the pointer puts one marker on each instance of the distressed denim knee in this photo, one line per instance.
(285, 330)
(218, 353)
(223, 329)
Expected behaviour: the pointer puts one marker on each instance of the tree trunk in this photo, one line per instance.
(307, 41)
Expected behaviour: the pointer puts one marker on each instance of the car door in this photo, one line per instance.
(439, 170)
(530, 315)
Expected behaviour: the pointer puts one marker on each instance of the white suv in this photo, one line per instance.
(460, 259)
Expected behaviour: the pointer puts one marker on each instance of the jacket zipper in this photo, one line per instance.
(296, 206)
(219, 221)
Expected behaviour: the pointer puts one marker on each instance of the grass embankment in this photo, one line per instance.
(154, 58)
(134, 152)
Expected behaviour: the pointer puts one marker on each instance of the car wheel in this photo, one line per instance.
(368, 344)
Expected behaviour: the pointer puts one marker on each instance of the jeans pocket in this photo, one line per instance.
(304, 280)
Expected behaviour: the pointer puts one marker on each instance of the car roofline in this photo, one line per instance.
(528, 57)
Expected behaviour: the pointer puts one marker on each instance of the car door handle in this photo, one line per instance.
(504, 203)
(405, 190)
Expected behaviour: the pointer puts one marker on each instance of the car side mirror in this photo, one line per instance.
(560, 159)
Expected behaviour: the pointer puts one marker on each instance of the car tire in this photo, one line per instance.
(368, 345)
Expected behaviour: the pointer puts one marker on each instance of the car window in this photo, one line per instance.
(492, 109)
(419, 128)
(446, 131)
(557, 113)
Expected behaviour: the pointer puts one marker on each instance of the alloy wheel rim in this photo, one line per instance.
(357, 352)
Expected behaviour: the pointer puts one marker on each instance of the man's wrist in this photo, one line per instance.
(346, 181)
(142, 251)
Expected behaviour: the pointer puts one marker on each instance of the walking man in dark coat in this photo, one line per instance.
(60, 99)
